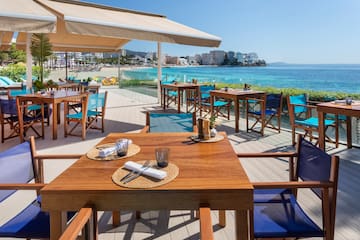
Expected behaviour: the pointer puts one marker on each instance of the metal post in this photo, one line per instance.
(28, 61)
(119, 71)
(159, 73)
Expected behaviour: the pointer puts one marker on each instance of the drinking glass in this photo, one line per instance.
(162, 156)
(122, 146)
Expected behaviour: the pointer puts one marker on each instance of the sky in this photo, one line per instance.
(291, 31)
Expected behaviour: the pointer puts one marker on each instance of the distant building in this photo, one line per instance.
(240, 57)
(231, 56)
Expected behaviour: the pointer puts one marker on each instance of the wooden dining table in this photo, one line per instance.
(341, 108)
(180, 88)
(55, 100)
(234, 95)
(209, 173)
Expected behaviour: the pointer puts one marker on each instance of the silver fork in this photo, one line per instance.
(147, 163)
(136, 175)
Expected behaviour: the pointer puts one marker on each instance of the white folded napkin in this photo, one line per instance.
(155, 173)
(106, 151)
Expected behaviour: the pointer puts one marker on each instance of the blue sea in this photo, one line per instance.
(318, 77)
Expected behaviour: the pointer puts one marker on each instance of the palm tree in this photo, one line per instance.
(41, 50)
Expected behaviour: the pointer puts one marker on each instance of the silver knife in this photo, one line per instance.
(136, 175)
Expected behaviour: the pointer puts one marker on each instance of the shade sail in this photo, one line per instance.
(5, 40)
(25, 16)
(98, 20)
(85, 27)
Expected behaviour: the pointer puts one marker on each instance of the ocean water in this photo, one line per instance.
(333, 78)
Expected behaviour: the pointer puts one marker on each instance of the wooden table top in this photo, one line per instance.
(207, 171)
(237, 92)
(340, 108)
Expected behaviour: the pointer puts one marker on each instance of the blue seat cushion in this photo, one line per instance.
(216, 103)
(283, 218)
(269, 195)
(30, 222)
(313, 122)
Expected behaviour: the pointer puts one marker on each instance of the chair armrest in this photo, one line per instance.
(145, 129)
(267, 154)
(206, 231)
(21, 186)
(255, 99)
(83, 217)
(58, 156)
(293, 184)
(303, 105)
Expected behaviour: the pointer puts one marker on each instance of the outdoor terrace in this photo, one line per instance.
(126, 113)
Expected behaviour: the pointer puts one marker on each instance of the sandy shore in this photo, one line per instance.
(104, 72)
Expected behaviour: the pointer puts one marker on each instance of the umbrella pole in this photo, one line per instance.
(159, 73)
(28, 61)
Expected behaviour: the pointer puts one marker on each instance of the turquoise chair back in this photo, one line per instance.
(171, 122)
(299, 99)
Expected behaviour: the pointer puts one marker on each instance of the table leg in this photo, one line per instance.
(179, 99)
(55, 120)
(163, 90)
(55, 224)
(237, 114)
(212, 100)
(321, 130)
(241, 224)
(348, 132)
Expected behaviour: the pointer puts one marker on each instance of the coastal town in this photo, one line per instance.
(129, 57)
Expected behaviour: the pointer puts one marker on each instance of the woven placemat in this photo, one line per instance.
(94, 152)
(144, 181)
(217, 138)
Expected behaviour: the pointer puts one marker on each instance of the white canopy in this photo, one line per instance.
(79, 26)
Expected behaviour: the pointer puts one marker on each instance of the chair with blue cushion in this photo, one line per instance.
(13, 93)
(170, 95)
(269, 107)
(90, 116)
(195, 98)
(8, 117)
(170, 122)
(79, 118)
(218, 105)
(300, 115)
(277, 212)
(21, 169)
(96, 111)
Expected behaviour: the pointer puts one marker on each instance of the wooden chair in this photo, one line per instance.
(30, 113)
(278, 214)
(170, 122)
(13, 93)
(9, 117)
(300, 115)
(73, 120)
(218, 105)
(96, 111)
(22, 169)
(84, 221)
(270, 107)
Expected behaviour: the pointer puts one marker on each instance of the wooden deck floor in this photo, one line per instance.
(125, 112)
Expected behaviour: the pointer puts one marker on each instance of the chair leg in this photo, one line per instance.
(116, 218)
(293, 136)
(222, 218)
